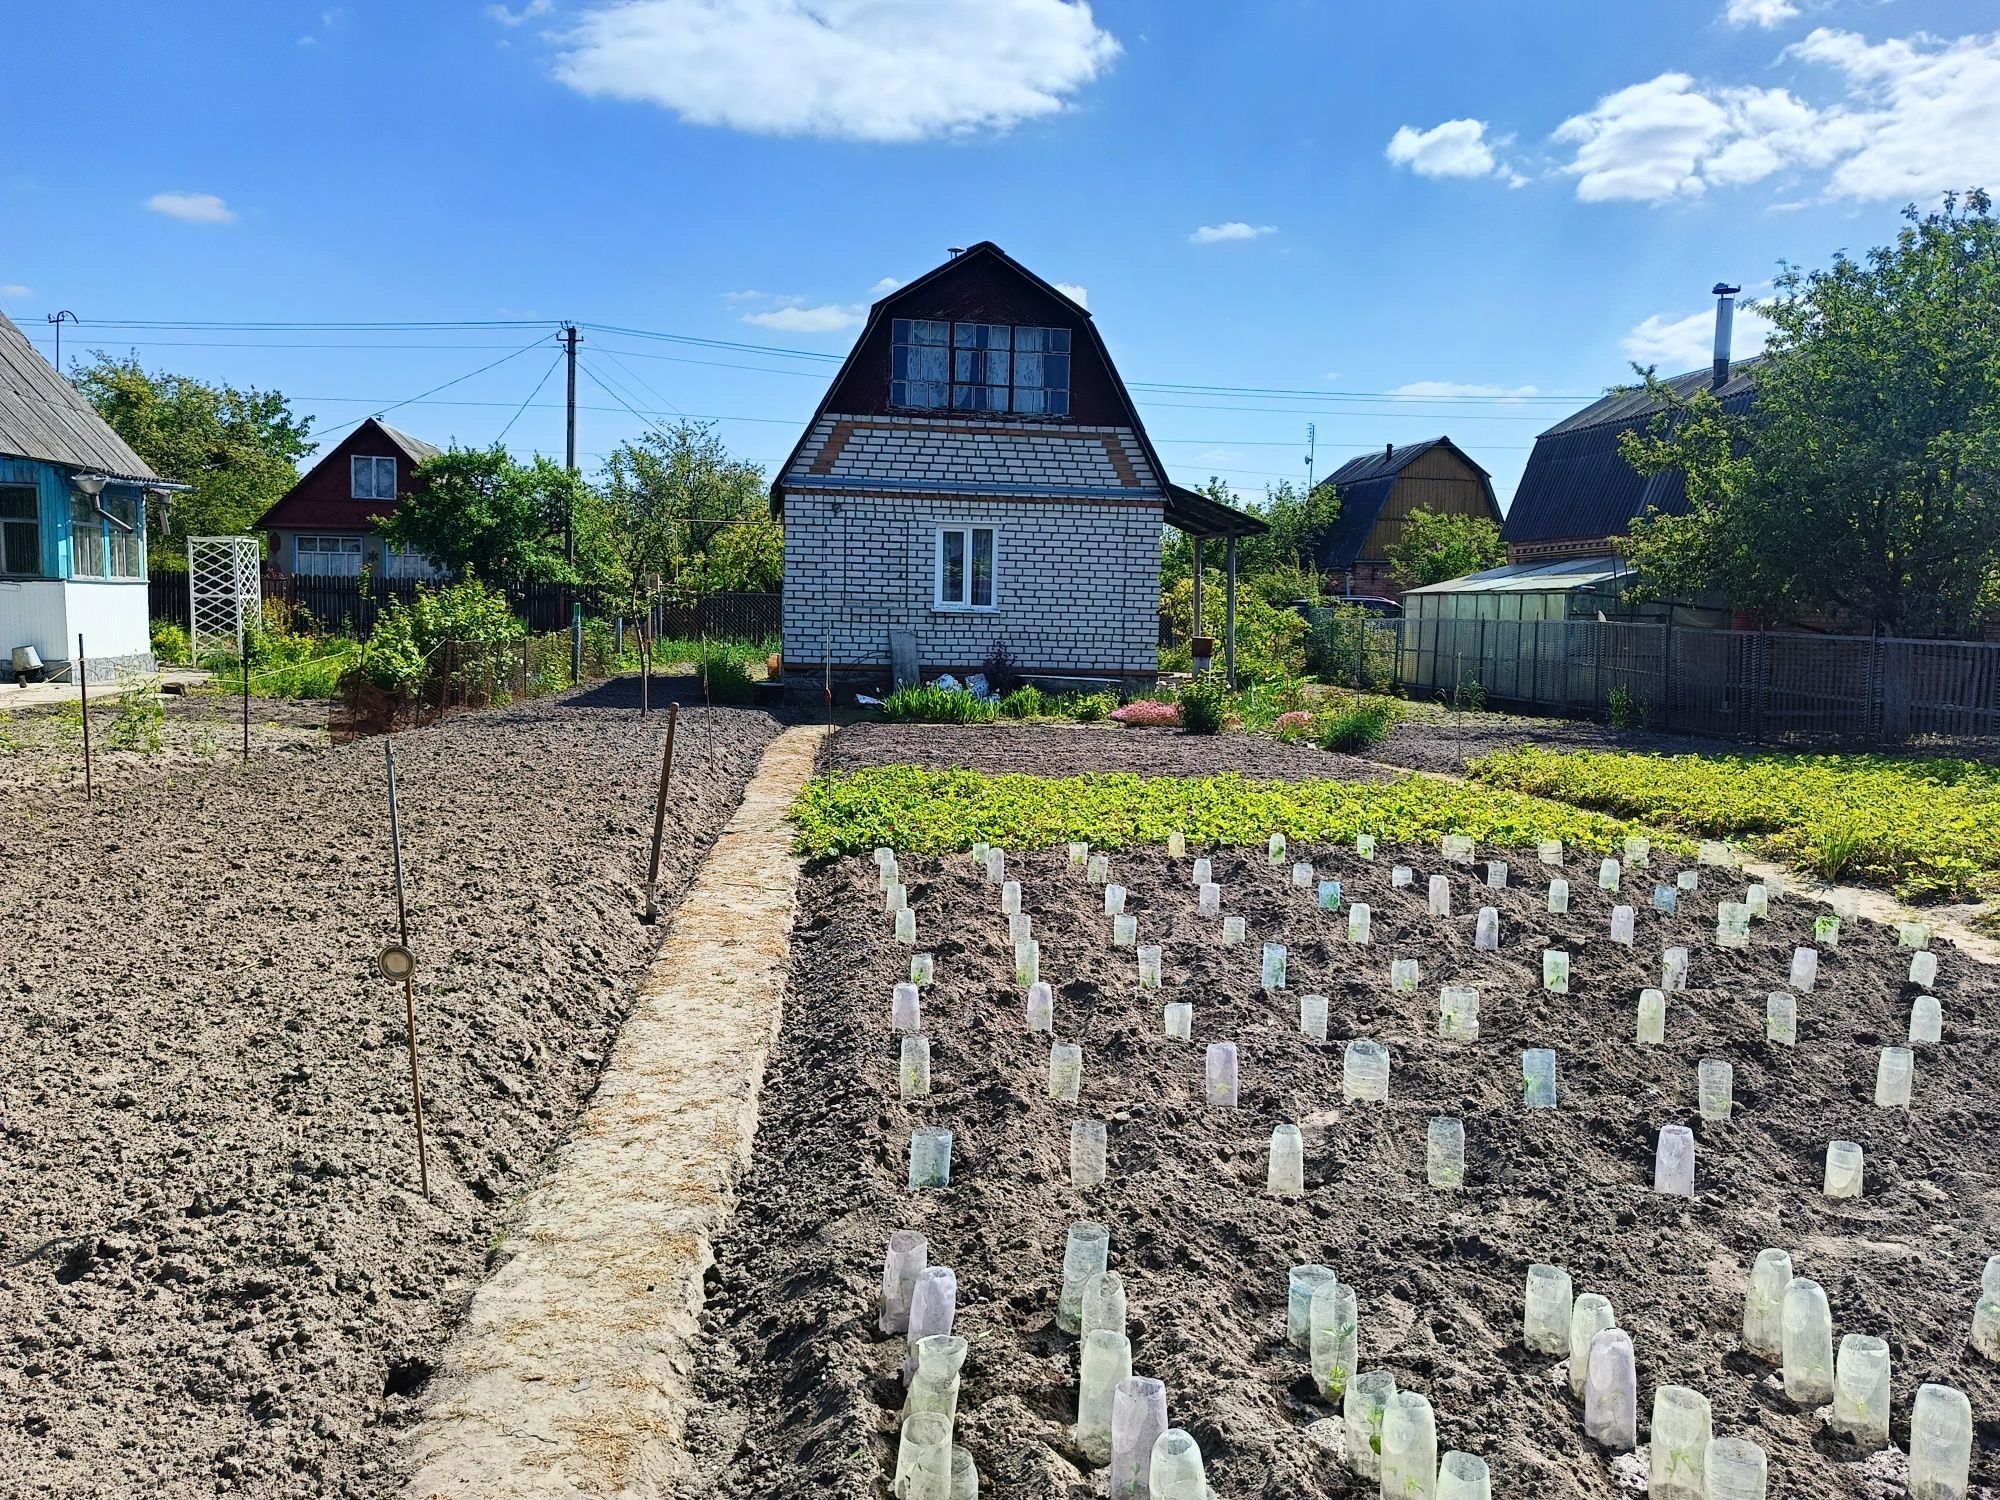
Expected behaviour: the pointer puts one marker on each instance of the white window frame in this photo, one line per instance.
(407, 562)
(348, 546)
(964, 531)
(374, 471)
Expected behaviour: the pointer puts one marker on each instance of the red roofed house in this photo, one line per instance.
(326, 525)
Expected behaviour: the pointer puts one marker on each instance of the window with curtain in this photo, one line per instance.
(374, 478)
(327, 556)
(965, 567)
(20, 531)
(89, 556)
(980, 367)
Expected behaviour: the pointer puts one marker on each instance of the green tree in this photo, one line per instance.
(1865, 481)
(674, 496)
(1434, 548)
(478, 512)
(239, 450)
(1284, 554)
(748, 557)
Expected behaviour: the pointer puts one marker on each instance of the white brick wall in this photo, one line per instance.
(1077, 589)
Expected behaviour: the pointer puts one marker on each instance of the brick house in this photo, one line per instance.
(977, 474)
(1379, 490)
(326, 525)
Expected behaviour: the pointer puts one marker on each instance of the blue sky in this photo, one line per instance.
(1460, 217)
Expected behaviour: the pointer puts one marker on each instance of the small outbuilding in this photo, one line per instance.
(73, 498)
(1378, 493)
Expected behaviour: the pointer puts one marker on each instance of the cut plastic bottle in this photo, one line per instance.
(1287, 1175)
(1301, 1284)
(1623, 925)
(1065, 1071)
(1611, 1392)
(1149, 966)
(1364, 1072)
(1221, 1075)
(1457, 848)
(1313, 1016)
(1232, 932)
(906, 926)
(1041, 1007)
(1807, 1328)
(1674, 969)
(1179, 1019)
(1105, 1361)
(1715, 1089)
(934, 1388)
(1409, 1448)
(1463, 1476)
(1303, 876)
(923, 968)
(1667, 900)
(1608, 875)
(1652, 1017)
(1781, 1018)
(1176, 844)
(1538, 1078)
(1758, 898)
(1274, 851)
(1940, 1443)
(1177, 1472)
(1546, 1310)
(1440, 896)
(1926, 1021)
(913, 1070)
(1098, 871)
(1209, 899)
(1894, 1071)
(1733, 1469)
(1458, 1012)
(1589, 1316)
(1403, 975)
(1203, 872)
(1763, 1325)
(1114, 900)
(933, 1309)
(1549, 851)
(1079, 853)
(1329, 895)
(1020, 927)
(1496, 874)
(1103, 1303)
(1444, 1153)
(1559, 898)
(1843, 1169)
(1401, 875)
(930, 1157)
(1027, 962)
(1861, 1390)
(1358, 922)
(923, 1459)
(909, 1253)
(1271, 969)
(1486, 930)
(1010, 898)
(1683, 1426)
(964, 1475)
(1362, 1411)
(905, 1009)
(1673, 1162)
(1124, 931)
(1923, 969)
(1555, 971)
(1732, 925)
(1805, 970)
(1086, 1253)
(1138, 1418)
(1364, 845)
(1334, 1338)
(1087, 1143)
(1638, 851)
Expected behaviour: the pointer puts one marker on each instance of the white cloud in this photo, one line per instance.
(522, 16)
(883, 287)
(1457, 148)
(1419, 389)
(869, 70)
(1688, 343)
(1080, 295)
(194, 208)
(1911, 118)
(1764, 13)
(1235, 229)
(828, 317)
(13, 291)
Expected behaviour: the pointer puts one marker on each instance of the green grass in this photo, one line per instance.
(927, 703)
(1928, 828)
(933, 812)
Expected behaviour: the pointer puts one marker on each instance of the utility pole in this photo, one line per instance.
(57, 319)
(569, 442)
(1312, 438)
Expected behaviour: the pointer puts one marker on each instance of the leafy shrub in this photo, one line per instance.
(1204, 705)
(1348, 645)
(1148, 713)
(729, 681)
(1002, 669)
(1090, 708)
(396, 659)
(1625, 708)
(1270, 638)
(1292, 725)
(1026, 702)
(927, 703)
(171, 646)
(934, 812)
(1359, 728)
(140, 716)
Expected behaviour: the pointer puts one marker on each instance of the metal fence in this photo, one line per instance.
(1764, 686)
(351, 606)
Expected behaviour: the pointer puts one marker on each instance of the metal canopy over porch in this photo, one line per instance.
(1198, 516)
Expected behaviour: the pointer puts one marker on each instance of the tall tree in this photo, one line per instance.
(239, 450)
(1434, 548)
(1866, 480)
(476, 511)
(1284, 554)
(674, 494)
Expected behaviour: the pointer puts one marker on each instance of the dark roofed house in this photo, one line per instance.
(327, 525)
(977, 474)
(72, 525)
(1379, 490)
(1578, 495)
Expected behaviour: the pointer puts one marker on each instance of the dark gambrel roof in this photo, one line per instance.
(43, 416)
(1364, 484)
(1578, 485)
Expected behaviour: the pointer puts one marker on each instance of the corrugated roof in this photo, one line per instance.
(1577, 483)
(1528, 578)
(1196, 514)
(43, 416)
(1364, 484)
(417, 449)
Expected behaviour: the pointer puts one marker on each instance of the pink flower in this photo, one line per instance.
(1298, 721)
(1148, 713)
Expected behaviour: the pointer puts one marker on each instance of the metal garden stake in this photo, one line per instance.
(83, 701)
(660, 818)
(396, 961)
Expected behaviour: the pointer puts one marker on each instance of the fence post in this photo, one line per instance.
(575, 643)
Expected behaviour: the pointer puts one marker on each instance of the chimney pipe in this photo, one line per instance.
(1388, 450)
(1725, 323)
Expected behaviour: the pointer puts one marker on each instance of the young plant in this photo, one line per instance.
(1204, 704)
(1359, 728)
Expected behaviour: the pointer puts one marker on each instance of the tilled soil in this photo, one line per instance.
(1429, 738)
(804, 1394)
(1055, 750)
(217, 1274)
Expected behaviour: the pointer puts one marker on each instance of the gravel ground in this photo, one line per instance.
(804, 1389)
(1058, 749)
(217, 1275)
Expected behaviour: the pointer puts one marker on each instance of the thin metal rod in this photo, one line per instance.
(245, 655)
(83, 696)
(660, 817)
(409, 980)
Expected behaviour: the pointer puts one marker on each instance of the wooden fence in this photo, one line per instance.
(1768, 687)
(351, 606)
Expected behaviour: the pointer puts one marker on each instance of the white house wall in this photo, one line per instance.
(49, 614)
(1076, 583)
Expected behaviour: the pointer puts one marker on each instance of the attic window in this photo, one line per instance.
(374, 478)
(981, 367)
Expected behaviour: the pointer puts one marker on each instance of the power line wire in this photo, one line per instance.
(447, 385)
(531, 396)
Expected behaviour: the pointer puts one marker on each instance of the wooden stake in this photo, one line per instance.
(660, 818)
(83, 697)
(246, 700)
(410, 979)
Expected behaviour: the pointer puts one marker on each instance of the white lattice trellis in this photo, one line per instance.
(225, 590)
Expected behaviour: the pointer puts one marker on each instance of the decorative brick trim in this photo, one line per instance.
(829, 453)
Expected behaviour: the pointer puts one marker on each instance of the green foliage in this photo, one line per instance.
(140, 717)
(239, 449)
(395, 659)
(1434, 548)
(1353, 647)
(171, 646)
(1204, 705)
(1625, 708)
(927, 703)
(1297, 521)
(935, 812)
(1929, 828)
(672, 496)
(1027, 702)
(1270, 638)
(1361, 727)
(1090, 708)
(729, 681)
(1468, 695)
(284, 664)
(748, 557)
(477, 511)
(1862, 482)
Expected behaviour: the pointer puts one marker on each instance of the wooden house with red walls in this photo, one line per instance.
(328, 524)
